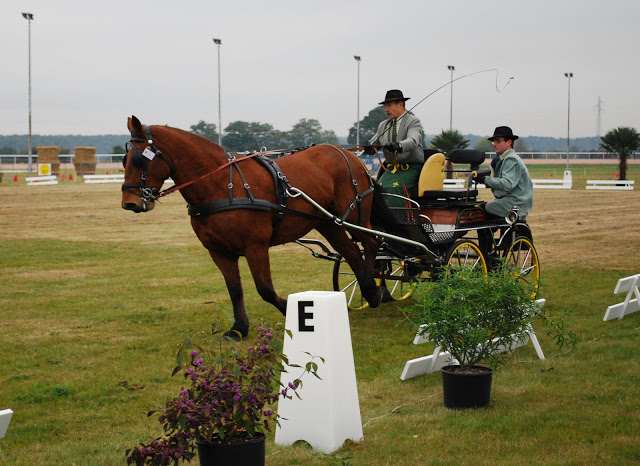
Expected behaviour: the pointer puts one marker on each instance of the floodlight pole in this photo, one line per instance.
(568, 76)
(452, 69)
(29, 18)
(357, 58)
(218, 42)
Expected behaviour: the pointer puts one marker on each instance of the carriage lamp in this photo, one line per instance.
(512, 216)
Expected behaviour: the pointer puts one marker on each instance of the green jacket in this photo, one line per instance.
(410, 135)
(511, 186)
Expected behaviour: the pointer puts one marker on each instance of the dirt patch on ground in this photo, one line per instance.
(571, 228)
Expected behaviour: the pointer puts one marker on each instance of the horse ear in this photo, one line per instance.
(135, 127)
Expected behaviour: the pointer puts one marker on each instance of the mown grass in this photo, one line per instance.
(95, 300)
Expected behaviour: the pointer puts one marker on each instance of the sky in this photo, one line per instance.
(93, 64)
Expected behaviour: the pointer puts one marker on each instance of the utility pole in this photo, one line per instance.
(599, 117)
(218, 42)
(29, 18)
(568, 76)
(452, 69)
(357, 58)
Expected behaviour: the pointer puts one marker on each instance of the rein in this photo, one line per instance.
(231, 160)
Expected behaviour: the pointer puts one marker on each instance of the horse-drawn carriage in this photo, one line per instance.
(243, 205)
(444, 229)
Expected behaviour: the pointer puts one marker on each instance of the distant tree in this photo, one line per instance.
(206, 130)
(307, 132)
(484, 145)
(7, 150)
(247, 136)
(368, 125)
(447, 141)
(118, 150)
(521, 145)
(623, 141)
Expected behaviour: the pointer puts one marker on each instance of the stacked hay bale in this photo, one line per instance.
(50, 154)
(84, 160)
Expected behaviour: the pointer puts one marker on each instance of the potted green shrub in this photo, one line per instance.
(227, 404)
(473, 317)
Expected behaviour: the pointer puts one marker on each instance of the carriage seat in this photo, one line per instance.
(431, 181)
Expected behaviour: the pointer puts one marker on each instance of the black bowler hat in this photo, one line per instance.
(394, 95)
(503, 132)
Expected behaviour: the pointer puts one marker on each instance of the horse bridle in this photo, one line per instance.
(140, 159)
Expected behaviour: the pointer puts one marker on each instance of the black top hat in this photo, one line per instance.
(394, 95)
(503, 132)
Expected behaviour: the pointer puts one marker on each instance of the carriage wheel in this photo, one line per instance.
(522, 261)
(345, 280)
(399, 279)
(465, 253)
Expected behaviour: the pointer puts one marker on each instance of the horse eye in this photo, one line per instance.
(124, 161)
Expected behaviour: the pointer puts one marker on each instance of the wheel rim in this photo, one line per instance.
(400, 289)
(522, 262)
(345, 280)
(466, 254)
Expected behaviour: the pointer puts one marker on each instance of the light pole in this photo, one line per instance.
(29, 18)
(357, 57)
(568, 76)
(451, 68)
(218, 42)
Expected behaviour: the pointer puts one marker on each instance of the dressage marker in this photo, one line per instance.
(628, 306)
(564, 183)
(626, 185)
(104, 178)
(41, 180)
(5, 418)
(439, 359)
(329, 411)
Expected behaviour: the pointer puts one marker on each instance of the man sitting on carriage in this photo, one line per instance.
(401, 138)
(511, 184)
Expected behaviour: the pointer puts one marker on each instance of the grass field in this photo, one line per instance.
(95, 300)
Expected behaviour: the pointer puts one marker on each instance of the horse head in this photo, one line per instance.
(144, 170)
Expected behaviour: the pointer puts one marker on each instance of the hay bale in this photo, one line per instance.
(50, 154)
(84, 160)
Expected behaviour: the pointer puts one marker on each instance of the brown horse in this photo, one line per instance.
(242, 206)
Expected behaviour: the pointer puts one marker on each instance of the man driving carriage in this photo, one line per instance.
(401, 138)
(511, 184)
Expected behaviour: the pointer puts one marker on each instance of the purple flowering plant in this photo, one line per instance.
(228, 396)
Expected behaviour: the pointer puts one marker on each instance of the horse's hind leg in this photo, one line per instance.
(228, 265)
(258, 261)
(362, 269)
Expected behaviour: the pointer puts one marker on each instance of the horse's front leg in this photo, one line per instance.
(228, 265)
(363, 269)
(258, 261)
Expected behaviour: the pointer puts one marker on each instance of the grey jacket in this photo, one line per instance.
(511, 186)
(410, 135)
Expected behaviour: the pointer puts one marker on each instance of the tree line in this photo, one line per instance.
(252, 136)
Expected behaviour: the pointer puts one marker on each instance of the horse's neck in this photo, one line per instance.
(195, 157)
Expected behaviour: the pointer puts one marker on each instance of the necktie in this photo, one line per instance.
(394, 132)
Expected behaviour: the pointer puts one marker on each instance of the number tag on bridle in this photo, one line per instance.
(148, 153)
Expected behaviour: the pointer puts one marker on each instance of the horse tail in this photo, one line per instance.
(381, 216)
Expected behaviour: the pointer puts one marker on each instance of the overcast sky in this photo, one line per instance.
(95, 63)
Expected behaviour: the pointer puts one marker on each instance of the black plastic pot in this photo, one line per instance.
(245, 452)
(469, 389)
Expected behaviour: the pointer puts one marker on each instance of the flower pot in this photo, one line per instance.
(469, 389)
(241, 452)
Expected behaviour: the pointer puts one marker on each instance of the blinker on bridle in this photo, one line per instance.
(140, 159)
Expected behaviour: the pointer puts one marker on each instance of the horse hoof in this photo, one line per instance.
(235, 335)
(386, 295)
(379, 297)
